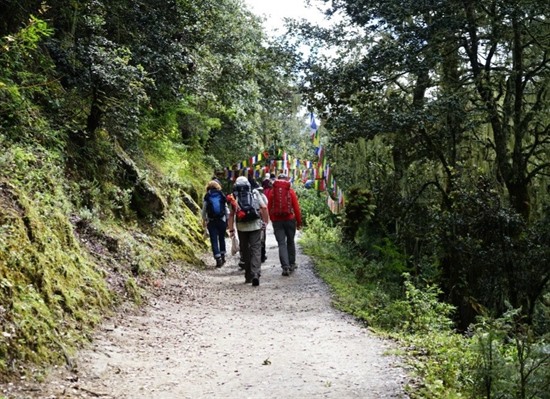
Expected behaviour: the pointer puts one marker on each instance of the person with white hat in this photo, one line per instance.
(249, 215)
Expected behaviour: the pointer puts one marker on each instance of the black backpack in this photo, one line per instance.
(215, 204)
(248, 206)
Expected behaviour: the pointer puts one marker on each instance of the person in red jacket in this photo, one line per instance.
(284, 212)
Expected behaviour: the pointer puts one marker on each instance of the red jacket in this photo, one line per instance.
(294, 201)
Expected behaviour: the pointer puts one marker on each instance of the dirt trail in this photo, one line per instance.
(208, 335)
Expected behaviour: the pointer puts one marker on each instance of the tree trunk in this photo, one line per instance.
(94, 118)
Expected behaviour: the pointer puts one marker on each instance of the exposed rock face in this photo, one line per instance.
(146, 201)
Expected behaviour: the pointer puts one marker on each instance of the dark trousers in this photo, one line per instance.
(284, 233)
(264, 257)
(216, 229)
(250, 243)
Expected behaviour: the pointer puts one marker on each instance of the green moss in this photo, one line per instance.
(133, 290)
(49, 287)
(70, 250)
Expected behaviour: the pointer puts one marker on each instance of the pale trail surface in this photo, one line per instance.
(206, 334)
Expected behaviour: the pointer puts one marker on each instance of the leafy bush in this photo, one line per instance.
(314, 204)
(317, 231)
(423, 310)
(510, 362)
(440, 357)
(359, 210)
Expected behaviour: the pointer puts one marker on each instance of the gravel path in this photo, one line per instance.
(208, 335)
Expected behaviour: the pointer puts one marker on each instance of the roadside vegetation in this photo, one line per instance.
(496, 357)
(436, 122)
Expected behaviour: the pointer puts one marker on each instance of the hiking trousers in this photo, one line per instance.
(250, 246)
(216, 229)
(284, 233)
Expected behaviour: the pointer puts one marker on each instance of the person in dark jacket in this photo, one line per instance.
(216, 226)
(267, 185)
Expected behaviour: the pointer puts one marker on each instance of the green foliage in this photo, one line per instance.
(313, 205)
(28, 38)
(394, 260)
(443, 363)
(424, 312)
(510, 361)
(24, 83)
(362, 163)
(187, 121)
(443, 140)
(317, 231)
(358, 211)
(267, 113)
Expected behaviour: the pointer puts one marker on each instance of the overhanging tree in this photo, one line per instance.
(459, 90)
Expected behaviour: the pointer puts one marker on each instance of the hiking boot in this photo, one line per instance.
(223, 259)
(241, 264)
(219, 262)
(293, 267)
(255, 281)
(285, 271)
(247, 280)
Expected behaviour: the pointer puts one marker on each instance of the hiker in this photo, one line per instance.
(248, 215)
(232, 203)
(284, 212)
(267, 185)
(214, 219)
(264, 226)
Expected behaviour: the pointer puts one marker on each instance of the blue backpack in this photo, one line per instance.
(215, 204)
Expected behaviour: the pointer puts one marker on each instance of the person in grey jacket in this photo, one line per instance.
(250, 233)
